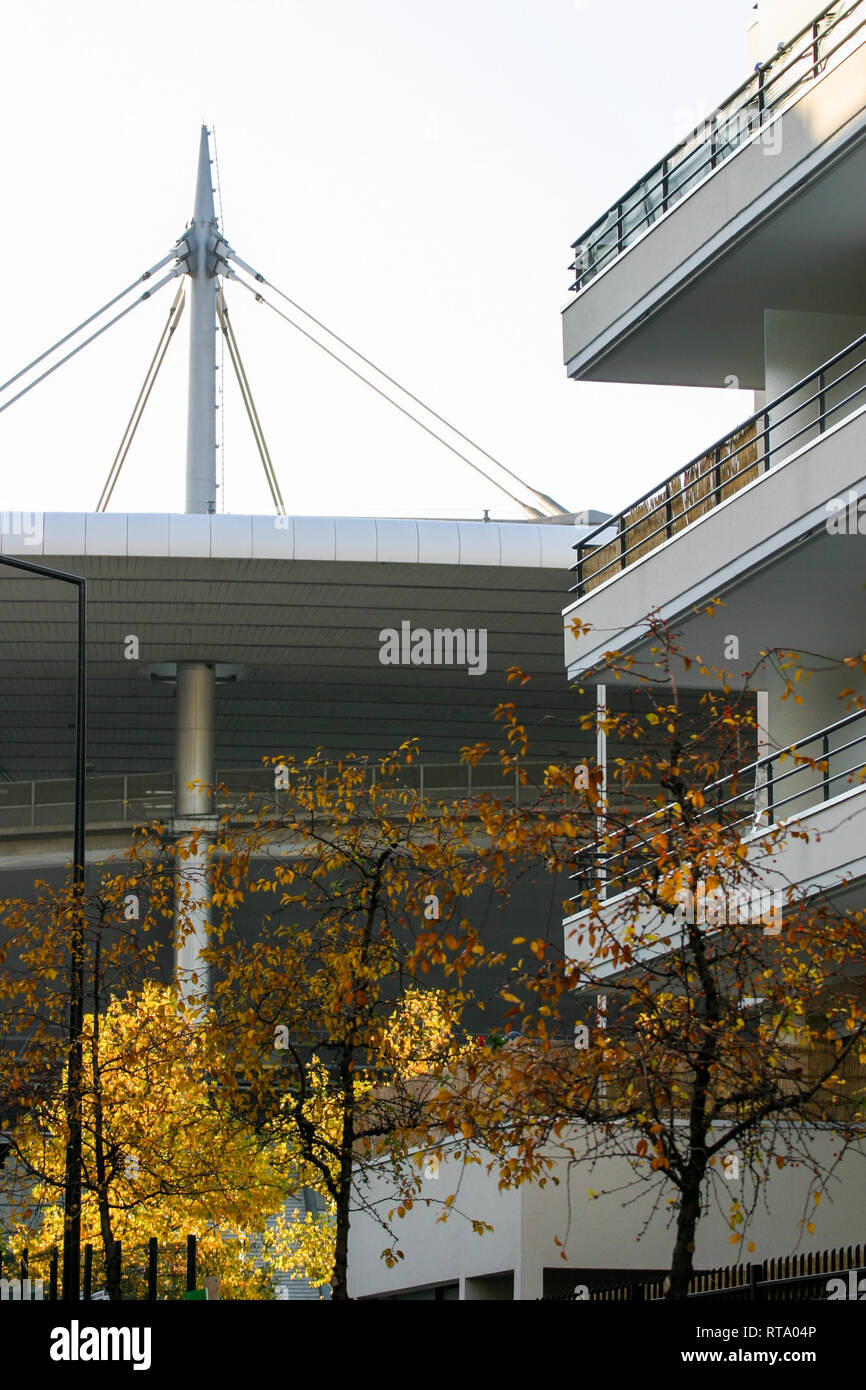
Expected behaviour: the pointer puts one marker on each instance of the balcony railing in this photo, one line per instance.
(793, 780)
(803, 412)
(138, 798)
(746, 113)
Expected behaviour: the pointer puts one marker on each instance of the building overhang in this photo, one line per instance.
(765, 552)
(777, 225)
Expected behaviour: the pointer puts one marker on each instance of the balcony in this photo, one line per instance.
(803, 412)
(671, 283)
(751, 108)
(785, 784)
(749, 503)
(816, 785)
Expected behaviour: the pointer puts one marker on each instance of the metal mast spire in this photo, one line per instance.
(202, 238)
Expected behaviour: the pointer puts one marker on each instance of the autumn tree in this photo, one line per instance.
(721, 1001)
(325, 1053)
(160, 1159)
(340, 1011)
(118, 950)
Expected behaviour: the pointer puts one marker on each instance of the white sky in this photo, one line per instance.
(412, 173)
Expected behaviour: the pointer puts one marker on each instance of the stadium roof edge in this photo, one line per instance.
(386, 540)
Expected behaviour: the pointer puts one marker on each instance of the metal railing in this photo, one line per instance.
(136, 798)
(744, 115)
(822, 765)
(787, 1278)
(832, 392)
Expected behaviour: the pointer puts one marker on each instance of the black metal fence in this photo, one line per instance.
(813, 1277)
(167, 1273)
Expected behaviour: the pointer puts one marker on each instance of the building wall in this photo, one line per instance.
(788, 722)
(796, 343)
(605, 1239)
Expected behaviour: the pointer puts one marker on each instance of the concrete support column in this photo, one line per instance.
(194, 811)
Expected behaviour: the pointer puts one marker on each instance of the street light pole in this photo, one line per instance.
(72, 1176)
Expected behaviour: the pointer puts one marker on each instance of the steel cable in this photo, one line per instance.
(148, 294)
(379, 392)
(99, 312)
(542, 496)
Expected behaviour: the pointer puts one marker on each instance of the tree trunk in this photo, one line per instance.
(339, 1284)
(339, 1277)
(682, 1263)
(112, 1268)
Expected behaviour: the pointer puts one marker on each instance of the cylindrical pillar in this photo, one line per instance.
(194, 820)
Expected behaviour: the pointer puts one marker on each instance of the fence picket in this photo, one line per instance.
(784, 1278)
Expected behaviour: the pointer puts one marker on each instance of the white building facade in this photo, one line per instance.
(738, 260)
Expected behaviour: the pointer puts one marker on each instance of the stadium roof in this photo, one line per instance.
(298, 605)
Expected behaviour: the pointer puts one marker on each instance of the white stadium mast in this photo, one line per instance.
(202, 239)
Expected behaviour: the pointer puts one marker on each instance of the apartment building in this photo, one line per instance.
(739, 257)
(737, 260)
